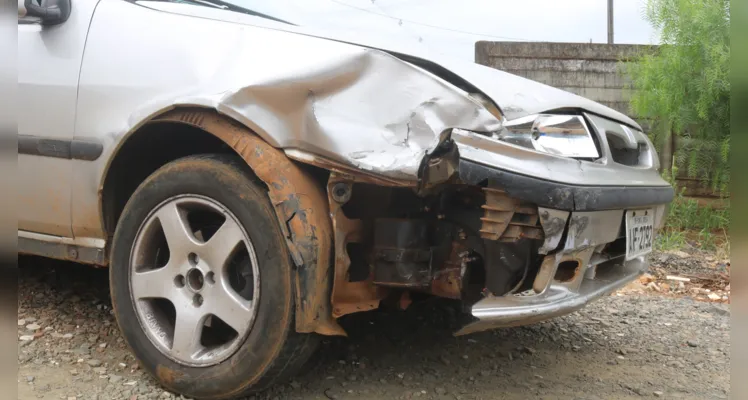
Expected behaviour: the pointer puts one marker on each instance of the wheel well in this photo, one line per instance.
(146, 150)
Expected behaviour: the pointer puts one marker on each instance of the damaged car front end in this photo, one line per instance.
(513, 246)
(522, 201)
(248, 182)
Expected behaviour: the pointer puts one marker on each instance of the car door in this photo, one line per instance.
(49, 62)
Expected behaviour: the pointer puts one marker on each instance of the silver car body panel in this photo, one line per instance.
(365, 102)
(350, 104)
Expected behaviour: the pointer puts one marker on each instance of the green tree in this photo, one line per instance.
(684, 87)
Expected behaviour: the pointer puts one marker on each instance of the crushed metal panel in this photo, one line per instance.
(554, 224)
(348, 297)
(301, 207)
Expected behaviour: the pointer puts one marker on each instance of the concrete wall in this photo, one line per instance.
(587, 69)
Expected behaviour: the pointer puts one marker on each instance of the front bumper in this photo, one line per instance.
(563, 196)
(557, 300)
(584, 245)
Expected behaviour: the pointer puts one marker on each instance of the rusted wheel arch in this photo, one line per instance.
(300, 205)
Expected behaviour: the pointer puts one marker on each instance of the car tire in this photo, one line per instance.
(206, 322)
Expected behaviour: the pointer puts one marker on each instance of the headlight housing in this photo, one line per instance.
(564, 135)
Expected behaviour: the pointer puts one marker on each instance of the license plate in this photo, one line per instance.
(639, 232)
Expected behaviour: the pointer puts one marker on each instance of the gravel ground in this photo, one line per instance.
(636, 343)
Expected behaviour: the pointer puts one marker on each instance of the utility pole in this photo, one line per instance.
(610, 21)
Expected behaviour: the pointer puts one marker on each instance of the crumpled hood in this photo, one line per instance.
(516, 96)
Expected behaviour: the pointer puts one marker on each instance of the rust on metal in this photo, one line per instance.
(545, 274)
(507, 219)
(549, 271)
(300, 205)
(447, 281)
(348, 297)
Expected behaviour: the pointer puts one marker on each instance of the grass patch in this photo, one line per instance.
(690, 223)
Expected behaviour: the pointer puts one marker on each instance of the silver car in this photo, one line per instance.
(248, 182)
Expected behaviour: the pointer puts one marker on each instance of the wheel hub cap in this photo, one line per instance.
(182, 258)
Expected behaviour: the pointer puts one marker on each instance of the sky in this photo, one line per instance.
(453, 26)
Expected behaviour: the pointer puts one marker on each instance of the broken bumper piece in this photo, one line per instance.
(559, 299)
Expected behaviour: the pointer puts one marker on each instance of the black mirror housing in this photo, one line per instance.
(50, 12)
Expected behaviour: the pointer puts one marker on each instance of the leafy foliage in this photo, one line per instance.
(684, 87)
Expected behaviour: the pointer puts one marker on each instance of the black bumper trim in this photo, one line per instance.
(561, 196)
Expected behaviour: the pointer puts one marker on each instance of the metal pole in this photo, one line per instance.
(610, 21)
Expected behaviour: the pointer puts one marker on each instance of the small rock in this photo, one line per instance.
(622, 352)
(528, 350)
(100, 370)
(444, 360)
(30, 319)
(33, 327)
(30, 379)
(692, 343)
(74, 372)
(657, 393)
(102, 346)
(115, 378)
(21, 322)
(440, 391)
(67, 336)
(465, 357)
(94, 363)
(27, 338)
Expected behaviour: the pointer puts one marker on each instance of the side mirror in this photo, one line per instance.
(49, 12)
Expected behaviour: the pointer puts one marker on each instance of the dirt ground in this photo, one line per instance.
(656, 338)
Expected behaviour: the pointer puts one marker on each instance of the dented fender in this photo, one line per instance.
(301, 208)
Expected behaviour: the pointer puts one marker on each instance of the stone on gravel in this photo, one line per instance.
(658, 393)
(33, 327)
(115, 378)
(21, 322)
(27, 338)
(692, 343)
(93, 362)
